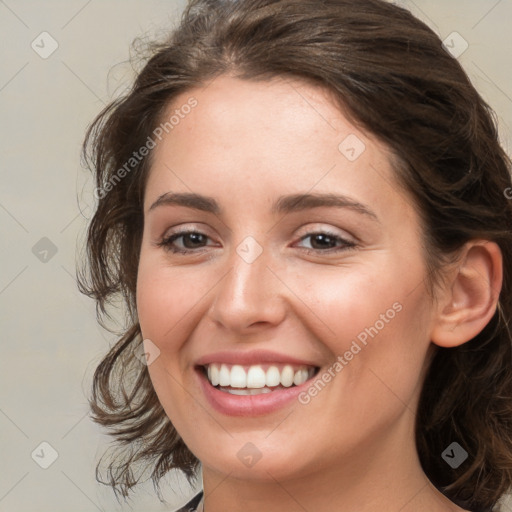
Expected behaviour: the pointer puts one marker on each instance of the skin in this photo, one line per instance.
(245, 144)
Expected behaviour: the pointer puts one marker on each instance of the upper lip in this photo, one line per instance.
(251, 358)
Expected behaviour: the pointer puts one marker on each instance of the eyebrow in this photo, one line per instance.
(284, 204)
(189, 200)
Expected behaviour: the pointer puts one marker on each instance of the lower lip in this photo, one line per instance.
(249, 405)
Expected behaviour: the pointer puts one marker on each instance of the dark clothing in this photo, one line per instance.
(192, 504)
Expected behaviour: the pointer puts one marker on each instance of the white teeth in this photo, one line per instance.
(238, 377)
(224, 375)
(247, 391)
(240, 391)
(214, 374)
(273, 376)
(300, 377)
(287, 376)
(255, 379)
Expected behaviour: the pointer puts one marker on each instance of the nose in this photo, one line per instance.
(249, 297)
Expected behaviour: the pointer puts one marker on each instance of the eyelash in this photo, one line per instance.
(167, 242)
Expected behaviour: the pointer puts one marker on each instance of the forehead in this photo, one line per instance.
(254, 112)
(267, 136)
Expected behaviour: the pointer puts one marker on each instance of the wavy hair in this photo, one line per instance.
(391, 76)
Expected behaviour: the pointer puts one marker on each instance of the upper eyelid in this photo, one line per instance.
(309, 232)
(192, 227)
(188, 228)
(331, 230)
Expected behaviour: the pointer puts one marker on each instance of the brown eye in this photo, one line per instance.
(184, 242)
(193, 240)
(322, 242)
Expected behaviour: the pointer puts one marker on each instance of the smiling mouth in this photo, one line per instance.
(256, 379)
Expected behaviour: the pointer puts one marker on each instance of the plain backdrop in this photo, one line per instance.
(61, 61)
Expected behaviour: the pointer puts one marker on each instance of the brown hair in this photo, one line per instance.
(392, 77)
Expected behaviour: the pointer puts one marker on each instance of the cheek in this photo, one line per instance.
(350, 301)
(378, 323)
(166, 296)
(166, 301)
(170, 304)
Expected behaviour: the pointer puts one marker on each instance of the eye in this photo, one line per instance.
(191, 241)
(184, 242)
(323, 241)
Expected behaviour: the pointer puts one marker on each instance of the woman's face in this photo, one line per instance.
(307, 258)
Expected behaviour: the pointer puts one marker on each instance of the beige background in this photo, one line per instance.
(50, 339)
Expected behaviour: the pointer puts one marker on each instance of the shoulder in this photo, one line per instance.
(191, 506)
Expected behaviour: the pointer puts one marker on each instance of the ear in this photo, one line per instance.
(469, 297)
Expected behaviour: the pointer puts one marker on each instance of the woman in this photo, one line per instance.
(304, 207)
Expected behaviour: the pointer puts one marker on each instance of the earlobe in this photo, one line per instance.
(469, 298)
